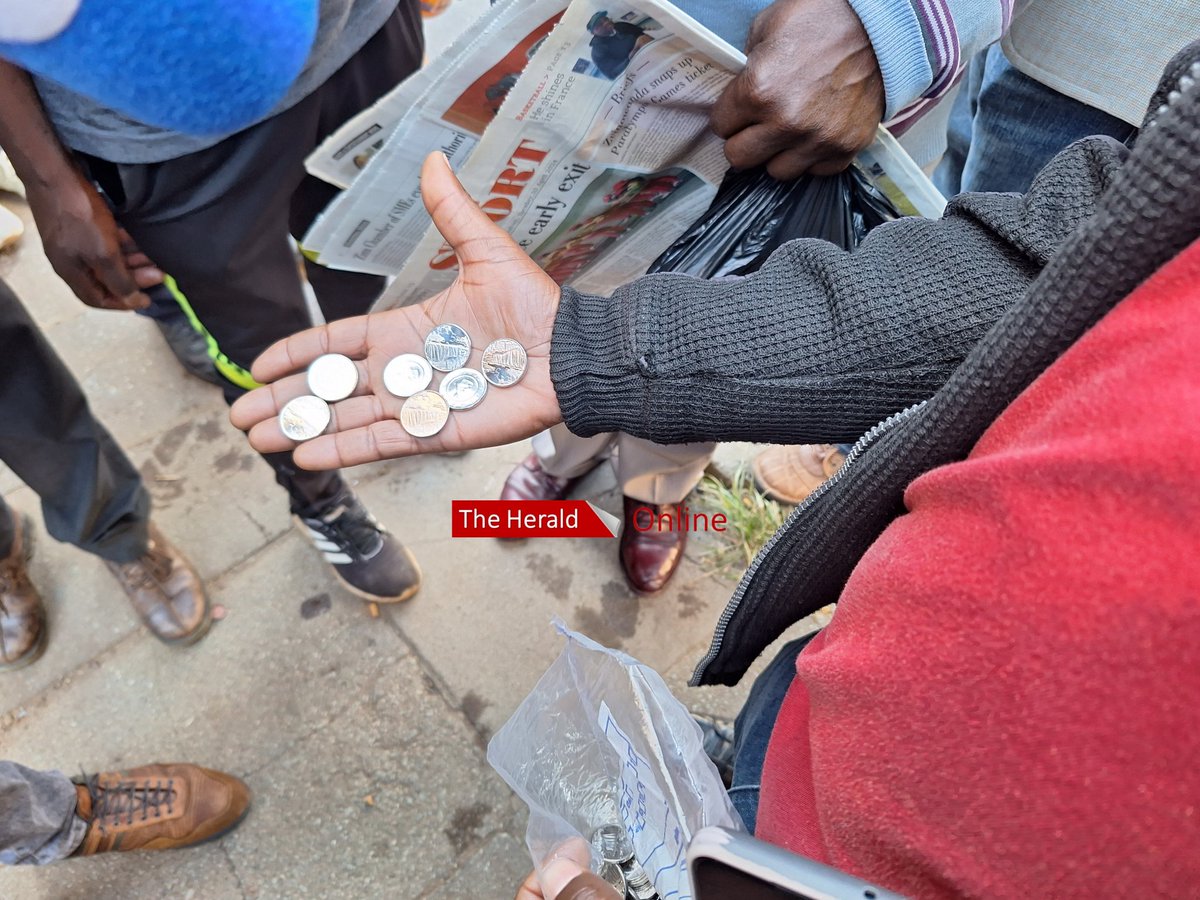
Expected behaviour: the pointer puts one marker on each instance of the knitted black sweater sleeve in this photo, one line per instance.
(820, 344)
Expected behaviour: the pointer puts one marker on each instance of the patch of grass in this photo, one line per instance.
(750, 516)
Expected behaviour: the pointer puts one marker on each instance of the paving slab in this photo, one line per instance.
(130, 377)
(503, 860)
(202, 873)
(213, 496)
(384, 800)
(482, 619)
(87, 612)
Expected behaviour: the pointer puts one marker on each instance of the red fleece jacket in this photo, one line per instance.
(1007, 701)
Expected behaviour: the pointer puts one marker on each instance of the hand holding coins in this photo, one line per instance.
(467, 368)
(333, 376)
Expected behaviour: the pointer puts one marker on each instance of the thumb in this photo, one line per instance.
(564, 879)
(466, 227)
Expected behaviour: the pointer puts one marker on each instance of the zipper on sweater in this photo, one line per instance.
(731, 608)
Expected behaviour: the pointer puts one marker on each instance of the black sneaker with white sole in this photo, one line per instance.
(364, 556)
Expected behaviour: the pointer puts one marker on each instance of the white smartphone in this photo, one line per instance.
(727, 864)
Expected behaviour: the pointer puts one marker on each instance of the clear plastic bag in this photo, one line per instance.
(601, 740)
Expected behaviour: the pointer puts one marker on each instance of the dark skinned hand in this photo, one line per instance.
(811, 95)
(89, 251)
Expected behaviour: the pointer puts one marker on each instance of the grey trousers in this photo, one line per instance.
(38, 824)
(649, 472)
(91, 494)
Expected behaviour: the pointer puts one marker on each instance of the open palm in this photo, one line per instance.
(499, 293)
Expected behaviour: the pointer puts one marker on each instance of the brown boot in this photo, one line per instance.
(790, 474)
(166, 592)
(158, 807)
(22, 615)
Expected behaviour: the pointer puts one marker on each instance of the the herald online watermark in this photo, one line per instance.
(567, 518)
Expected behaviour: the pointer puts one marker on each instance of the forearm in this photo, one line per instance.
(820, 344)
(26, 134)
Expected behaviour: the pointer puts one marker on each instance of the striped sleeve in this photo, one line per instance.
(924, 45)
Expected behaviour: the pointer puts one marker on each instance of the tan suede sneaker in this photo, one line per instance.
(158, 807)
(790, 474)
(166, 592)
(22, 615)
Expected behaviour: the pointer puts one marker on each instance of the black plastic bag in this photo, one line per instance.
(753, 214)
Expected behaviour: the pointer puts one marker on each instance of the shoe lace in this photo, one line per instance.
(111, 802)
(352, 526)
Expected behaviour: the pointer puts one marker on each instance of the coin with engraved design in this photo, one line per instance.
(424, 414)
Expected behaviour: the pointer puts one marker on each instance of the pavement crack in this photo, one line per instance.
(233, 871)
(440, 686)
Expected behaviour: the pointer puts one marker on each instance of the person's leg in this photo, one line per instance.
(660, 474)
(218, 221)
(948, 174)
(655, 479)
(569, 456)
(91, 494)
(559, 459)
(387, 59)
(753, 727)
(183, 339)
(46, 817)
(38, 824)
(1020, 125)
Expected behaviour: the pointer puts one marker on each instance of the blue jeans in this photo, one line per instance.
(38, 824)
(1005, 127)
(752, 730)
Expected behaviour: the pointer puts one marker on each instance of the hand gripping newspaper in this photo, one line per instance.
(581, 128)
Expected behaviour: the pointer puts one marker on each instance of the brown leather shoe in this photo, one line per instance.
(650, 554)
(22, 615)
(166, 592)
(529, 481)
(158, 807)
(790, 474)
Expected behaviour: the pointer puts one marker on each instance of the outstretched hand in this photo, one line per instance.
(499, 293)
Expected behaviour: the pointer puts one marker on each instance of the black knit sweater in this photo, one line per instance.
(932, 327)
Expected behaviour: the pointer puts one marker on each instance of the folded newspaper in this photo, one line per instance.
(581, 128)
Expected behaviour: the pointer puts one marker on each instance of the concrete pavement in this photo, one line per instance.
(362, 738)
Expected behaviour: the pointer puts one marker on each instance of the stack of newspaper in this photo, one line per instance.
(580, 127)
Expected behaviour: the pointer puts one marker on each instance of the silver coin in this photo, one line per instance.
(424, 414)
(448, 347)
(406, 375)
(637, 881)
(504, 362)
(463, 388)
(612, 873)
(613, 844)
(304, 418)
(332, 377)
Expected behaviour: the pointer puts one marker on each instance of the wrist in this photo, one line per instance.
(898, 40)
(50, 176)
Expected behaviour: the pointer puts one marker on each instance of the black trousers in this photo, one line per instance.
(220, 221)
(91, 494)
